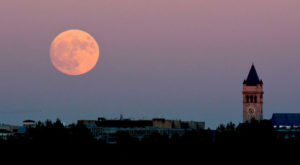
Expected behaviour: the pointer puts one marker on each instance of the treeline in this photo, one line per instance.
(253, 133)
(53, 133)
(50, 133)
(254, 139)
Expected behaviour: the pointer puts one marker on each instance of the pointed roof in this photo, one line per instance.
(253, 78)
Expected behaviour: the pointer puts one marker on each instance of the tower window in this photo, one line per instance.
(251, 99)
(255, 99)
(247, 99)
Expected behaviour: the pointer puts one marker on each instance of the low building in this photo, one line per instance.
(7, 130)
(107, 129)
(286, 120)
(287, 125)
(4, 134)
(5, 127)
(26, 124)
(86, 121)
(29, 123)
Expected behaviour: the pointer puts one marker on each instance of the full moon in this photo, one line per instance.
(74, 52)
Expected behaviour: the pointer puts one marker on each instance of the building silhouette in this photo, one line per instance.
(108, 129)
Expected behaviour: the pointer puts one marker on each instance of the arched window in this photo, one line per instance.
(251, 99)
(247, 99)
(255, 99)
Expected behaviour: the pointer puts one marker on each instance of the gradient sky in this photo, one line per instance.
(159, 58)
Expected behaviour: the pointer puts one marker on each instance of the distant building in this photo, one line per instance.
(5, 127)
(286, 120)
(85, 122)
(29, 123)
(252, 97)
(4, 134)
(26, 124)
(287, 125)
(108, 129)
(7, 130)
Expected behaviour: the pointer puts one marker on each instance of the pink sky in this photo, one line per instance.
(159, 58)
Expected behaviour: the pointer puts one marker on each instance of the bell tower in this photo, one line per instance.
(252, 97)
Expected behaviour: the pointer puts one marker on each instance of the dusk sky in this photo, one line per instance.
(177, 59)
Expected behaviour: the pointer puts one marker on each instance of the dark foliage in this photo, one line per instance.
(247, 141)
(51, 134)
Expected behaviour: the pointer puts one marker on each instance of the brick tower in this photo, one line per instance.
(252, 96)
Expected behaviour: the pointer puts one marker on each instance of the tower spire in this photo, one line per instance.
(252, 79)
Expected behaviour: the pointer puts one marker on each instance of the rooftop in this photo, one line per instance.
(286, 119)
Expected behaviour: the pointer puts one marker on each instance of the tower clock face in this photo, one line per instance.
(251, 111)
